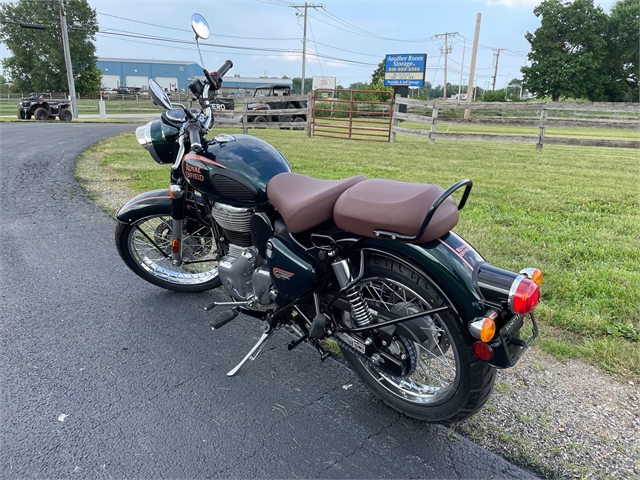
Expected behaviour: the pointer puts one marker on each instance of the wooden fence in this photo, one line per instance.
(243, 118)
(522, 114)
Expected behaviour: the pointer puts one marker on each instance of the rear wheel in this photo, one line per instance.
(145, 246)
(41, 114)
(65, 115)
(299, 120)
(445, 382)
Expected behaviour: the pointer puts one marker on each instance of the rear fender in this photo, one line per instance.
(156, 202)
(447, 261)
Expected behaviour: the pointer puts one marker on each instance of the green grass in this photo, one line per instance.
(571, 211)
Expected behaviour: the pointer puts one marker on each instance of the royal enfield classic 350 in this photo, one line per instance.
(373, 264)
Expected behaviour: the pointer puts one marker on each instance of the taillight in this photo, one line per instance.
(523, 296)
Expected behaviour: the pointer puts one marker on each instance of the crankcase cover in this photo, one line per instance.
(235, 171)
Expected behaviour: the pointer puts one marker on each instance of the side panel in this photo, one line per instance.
(448, 261)
(154, 202)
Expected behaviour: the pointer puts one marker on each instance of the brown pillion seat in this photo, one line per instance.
(393, 206)
(305, 202)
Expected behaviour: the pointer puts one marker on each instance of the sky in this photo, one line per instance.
(345, 39)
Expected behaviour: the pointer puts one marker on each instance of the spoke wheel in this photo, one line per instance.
(436, 372)
(448, 383)
(145, 246)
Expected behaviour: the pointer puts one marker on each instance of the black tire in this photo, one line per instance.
(65, 115)
(41, 114)
(151, 265)
(21, 114)
(473, 379)
(27, 116)
(260, 122)
(299, 120)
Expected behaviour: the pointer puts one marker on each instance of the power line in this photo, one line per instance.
(189, 31)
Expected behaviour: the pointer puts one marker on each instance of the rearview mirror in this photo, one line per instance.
(200, 26)
(160, 97)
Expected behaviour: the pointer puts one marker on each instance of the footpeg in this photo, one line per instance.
(317, 327)
(224, 318)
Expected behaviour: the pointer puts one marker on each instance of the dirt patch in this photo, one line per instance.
(565, 420)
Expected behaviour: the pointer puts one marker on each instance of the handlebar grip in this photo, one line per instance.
(193, 129)
(226, 66)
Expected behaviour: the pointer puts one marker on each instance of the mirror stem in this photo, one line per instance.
(199, 53)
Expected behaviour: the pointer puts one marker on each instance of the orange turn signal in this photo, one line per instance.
(533, 274)
(488, 330)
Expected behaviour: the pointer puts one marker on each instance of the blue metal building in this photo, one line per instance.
(172, 75)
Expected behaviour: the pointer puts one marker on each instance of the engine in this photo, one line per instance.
(243, 272)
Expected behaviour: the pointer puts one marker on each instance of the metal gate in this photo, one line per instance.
(352, 114)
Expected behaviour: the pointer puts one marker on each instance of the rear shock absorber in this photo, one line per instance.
(360, 312)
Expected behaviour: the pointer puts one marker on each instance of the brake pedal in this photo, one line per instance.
(317, 326)
(224, 318)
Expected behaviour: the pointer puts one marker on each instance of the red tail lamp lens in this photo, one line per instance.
(526, 297)
(483, 351)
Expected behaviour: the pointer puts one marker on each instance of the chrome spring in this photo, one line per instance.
(360, 312)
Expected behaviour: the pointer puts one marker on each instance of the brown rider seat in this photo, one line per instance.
(393, 206)
(305, 202)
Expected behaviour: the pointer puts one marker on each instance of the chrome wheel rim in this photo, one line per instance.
(198, 251)
(437, 373)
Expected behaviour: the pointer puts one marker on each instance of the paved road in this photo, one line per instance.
(105, 376)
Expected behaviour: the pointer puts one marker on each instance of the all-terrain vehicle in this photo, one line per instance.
(43, 108)
(276, 91)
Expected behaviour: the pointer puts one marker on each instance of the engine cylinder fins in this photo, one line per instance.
(235, 219)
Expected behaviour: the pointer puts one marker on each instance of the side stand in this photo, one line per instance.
(253, 353)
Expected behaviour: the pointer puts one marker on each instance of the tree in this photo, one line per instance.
(308, 85)
(37, 58)
(568, 51)
(378, 73)
(494, 96)
(624, 48)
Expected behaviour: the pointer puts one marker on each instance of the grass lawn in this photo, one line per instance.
(571, 211)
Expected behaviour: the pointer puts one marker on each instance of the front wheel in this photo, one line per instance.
(41, 114)
(145, 246)
(445, 382)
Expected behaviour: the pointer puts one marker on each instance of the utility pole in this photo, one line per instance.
(495, 74)
(464, 48)
(446, 52)
(67, 60)
(304, 36)
(472, 69)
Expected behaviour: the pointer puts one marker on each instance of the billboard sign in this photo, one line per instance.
(405, 69)
(328, 83)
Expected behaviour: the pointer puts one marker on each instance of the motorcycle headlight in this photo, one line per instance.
(159, 140)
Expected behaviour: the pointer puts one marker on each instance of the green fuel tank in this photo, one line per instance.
(234, 169)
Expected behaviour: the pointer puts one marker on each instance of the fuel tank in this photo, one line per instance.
(234, 169)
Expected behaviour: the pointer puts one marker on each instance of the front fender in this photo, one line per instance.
(448, 261)
(154, 202)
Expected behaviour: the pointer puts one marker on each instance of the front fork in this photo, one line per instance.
(178, 206)
(178, 214)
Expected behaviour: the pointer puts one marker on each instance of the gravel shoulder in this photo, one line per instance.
(561, 420)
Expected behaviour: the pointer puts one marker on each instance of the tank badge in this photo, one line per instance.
(224, 138)
(282, 274)
(200, 158)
